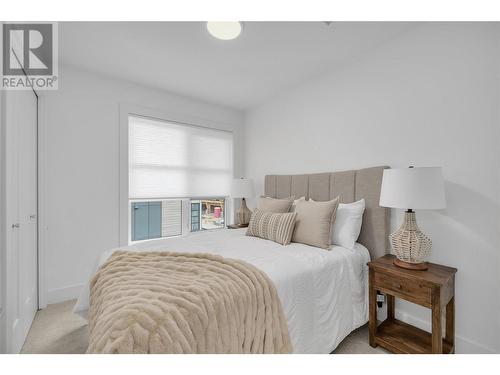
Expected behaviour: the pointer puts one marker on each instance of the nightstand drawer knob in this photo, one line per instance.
(397, 285)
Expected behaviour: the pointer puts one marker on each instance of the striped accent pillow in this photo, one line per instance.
(277, 227)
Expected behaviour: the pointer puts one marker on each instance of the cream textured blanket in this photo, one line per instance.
(166, 302)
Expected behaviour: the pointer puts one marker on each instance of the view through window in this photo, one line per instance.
(207, 214)
(155, 219)
(163, 218)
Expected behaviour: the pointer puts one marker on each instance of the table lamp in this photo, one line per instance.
(412, 188)
(242, 188)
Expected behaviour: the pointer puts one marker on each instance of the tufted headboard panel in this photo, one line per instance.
(350, 186)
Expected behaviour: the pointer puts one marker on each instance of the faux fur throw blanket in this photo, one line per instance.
(167, 302)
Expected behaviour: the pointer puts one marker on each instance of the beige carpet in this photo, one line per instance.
(56, 330)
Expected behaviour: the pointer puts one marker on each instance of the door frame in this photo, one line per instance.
(42, 227)
(6, 341)
(3, 229)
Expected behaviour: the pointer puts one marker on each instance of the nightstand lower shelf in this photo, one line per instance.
(399, 337)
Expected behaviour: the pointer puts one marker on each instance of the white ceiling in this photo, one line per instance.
(181, 57)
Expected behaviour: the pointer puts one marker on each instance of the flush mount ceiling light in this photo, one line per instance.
(224, 30)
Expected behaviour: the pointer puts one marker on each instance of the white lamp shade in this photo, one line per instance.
(242, 188)
(413, 188)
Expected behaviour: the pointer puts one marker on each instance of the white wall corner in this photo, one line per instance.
(66, 293)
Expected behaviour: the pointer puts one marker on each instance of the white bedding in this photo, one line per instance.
(323, 293)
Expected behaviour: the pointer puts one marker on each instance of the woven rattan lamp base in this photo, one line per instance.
(410, 245)
(410, 266)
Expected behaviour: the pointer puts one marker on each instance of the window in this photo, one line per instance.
(179, 178)
(207, 214)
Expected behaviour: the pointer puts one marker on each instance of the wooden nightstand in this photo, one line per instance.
(237, 226)
(433, 288)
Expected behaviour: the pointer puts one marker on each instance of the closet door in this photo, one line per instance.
(21, 194)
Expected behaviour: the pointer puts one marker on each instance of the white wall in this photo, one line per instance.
(80, 164)
(430, 97)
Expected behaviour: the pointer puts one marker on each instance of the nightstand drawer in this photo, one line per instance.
(409, 290)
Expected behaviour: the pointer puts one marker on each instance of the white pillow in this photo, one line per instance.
(295, 203)
(347, 224)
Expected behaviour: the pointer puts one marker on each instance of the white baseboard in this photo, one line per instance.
(3, 332)
(462, 344)
(64, 294)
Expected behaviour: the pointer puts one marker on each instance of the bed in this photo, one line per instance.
(323, 293)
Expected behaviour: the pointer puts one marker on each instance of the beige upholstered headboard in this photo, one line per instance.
(350, 186)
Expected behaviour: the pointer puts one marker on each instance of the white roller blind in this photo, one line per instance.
(169, 160)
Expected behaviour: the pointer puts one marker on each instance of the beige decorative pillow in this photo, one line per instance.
(277, 227)
(314, 222)
(267, 204)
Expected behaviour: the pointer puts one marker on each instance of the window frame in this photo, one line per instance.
(126, 110)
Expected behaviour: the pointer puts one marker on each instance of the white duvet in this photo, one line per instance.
(323, 293)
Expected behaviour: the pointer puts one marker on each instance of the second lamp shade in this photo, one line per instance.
(413, 188)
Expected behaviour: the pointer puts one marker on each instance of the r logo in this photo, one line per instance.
(28, 49)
